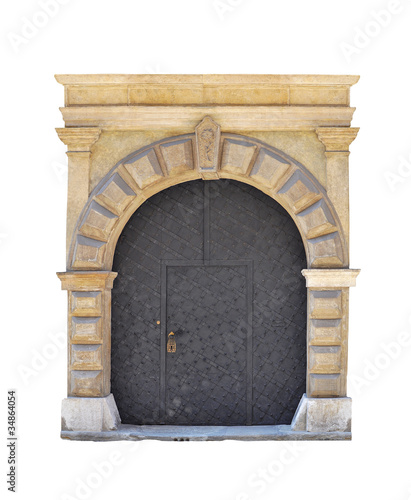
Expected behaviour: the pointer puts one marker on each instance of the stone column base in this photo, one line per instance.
(322, 415)
(89, 414)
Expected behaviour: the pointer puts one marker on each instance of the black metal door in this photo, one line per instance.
(205, 379)
(217, 263)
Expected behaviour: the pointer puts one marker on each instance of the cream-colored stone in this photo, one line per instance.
(327, 251)
(79, 142)
(165, 94)
(329, 415)
(170, 161)
(303, 146)
(327, 336)
(79, 139)
(178, 156)
(79, 95)
(144, 168)
(231, 118)
(237, 156)
(89, 414)
(210, 79)
(317, 220)
(246, 94)
(320, 95)
(325, 304)
(86, 330)
(330, 278)
(115, 194)
(206, 89)
(207, 146)
(299, 422)
(270, 169)
(86, 357)
(86, 280)
(322, 415)
(326, 332)
(324, 359)
(324, 385)
(337, 139)
(89, 307)
(98, 222)
(113, 146)
(77, 190)
(131, 136)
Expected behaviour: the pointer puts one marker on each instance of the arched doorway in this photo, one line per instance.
(218, 263)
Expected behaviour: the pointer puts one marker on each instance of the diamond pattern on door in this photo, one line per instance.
(206, 380)
(198, 223)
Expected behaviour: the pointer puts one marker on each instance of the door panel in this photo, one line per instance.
(206, 378)
(206, 227)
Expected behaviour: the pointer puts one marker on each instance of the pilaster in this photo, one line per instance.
(79, 141)
(89, 332)
(327, 330)
(337, 141)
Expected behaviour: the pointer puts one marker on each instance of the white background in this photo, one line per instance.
(193, 36)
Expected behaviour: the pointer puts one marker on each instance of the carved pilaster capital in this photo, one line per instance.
(330, 278)
(78, 138)
(337, 139)
(87, 281)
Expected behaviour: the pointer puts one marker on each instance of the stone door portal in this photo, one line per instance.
(218, 263)
(209, 211)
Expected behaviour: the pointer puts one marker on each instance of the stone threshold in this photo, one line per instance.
(205, 433)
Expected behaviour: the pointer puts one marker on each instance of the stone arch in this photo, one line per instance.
(179, 159)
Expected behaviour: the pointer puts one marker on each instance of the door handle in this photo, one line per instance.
(171, 343)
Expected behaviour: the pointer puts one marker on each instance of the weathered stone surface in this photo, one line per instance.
(86, 330)
(329, 415)
(91, 90)
(330, 278)
(237, 155)
(322, 415)
(85, 383)
(178, 156)
(79, 139)
(144, 168)
(111, 122)
(299, 192)
(170, 161)
(88, 253)
(324, 385)
(205, 433)
(115, 194)
(324, 359)
(86, 357)
(326, 251)
(299, 422)
(89, 311)
(269, 168)
(337, 141)
(89, 414)
(207, 135)
(325, 332)
(325, 304)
